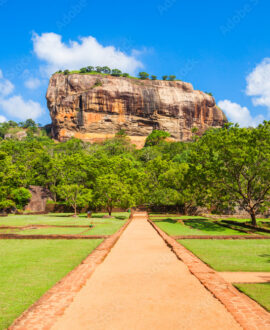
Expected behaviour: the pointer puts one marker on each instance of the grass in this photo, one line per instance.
(60, 219)
(258, 292)
(232, 255)
(197, 226)
(30, 267)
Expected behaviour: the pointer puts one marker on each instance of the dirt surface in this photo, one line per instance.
(142, 285)
(246, 277)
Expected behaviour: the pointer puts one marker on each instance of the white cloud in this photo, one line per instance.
(258, 84)
(238, 114)
(6, 87)
(2, 119)
(75, 55)
(17, 107)
(32, 83)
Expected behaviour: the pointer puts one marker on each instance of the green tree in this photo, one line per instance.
(126, 75)
(106, 70)
(75, 196)
(172, 77)
(164, 77)
(143, 75)
(66, 72)
(83, 70)
(99, 69)
(90, 68)
(234, 165)
(154, 77)
(116, 72)
(156, 137)
(112, 192)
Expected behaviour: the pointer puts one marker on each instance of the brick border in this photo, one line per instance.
(45, 311)
(248, 313)
(220, 237)
(18, 236)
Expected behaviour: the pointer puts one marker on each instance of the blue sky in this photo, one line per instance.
(220, 47)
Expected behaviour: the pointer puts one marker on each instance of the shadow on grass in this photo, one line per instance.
(204, 225)
(265, 256)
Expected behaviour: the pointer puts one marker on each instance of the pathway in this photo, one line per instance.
(142, 285)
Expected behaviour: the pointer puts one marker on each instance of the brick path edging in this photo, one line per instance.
(53, 236)
(220, 237)
(45, 311)
(246, 311)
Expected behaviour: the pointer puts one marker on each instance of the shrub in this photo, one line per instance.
(164, 77)
(154, 77)
(20, 196)
(66, 72)
(125, 75)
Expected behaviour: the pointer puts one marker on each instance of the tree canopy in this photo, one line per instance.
(224, 169)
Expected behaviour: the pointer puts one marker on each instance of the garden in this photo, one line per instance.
(30, 267)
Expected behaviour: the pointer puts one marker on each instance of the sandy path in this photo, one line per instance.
(246, 277)
(142, 285)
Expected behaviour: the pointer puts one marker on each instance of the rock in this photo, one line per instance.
(39, 198)
(94, 108)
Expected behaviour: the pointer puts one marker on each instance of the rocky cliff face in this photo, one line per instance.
(93, 108)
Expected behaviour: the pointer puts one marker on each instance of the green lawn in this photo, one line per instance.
(30, 267)
(232, 255)
(60, 219)
(195, 227)
(259, 292)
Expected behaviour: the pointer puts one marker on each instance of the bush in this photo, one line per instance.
(66, 72)
(172, 77)
(154, 77)
(164, 77)
(20, 196)
(125, 75)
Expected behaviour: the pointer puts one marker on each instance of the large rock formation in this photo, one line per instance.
(95, 107)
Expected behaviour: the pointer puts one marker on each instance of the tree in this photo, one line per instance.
(90, 68)
(125, 75)
(143, 75)
(116, 73)
(156, 137)
(172, 77)
(164, 77)
(83, 70)
(75, 195)
(66, 72)
(112, 192)
(154, 77)
(99, 69)
(234, 165)
(106, 70)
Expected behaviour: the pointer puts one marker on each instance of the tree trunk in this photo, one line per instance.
(253, 218)
(110, 210)
(75, 210)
